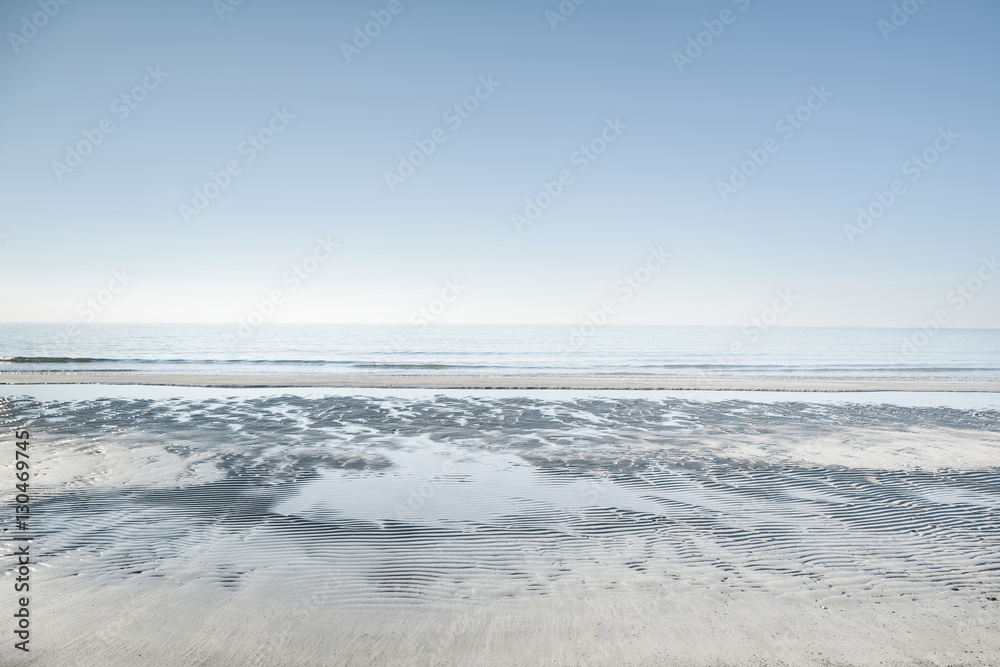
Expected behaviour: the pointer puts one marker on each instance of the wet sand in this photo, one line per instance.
(499, 530)
(593, 382)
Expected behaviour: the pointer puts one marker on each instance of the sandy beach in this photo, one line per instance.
(276, 529)
(566, 381)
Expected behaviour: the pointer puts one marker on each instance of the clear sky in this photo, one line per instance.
(197, 87)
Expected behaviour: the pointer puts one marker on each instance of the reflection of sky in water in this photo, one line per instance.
(432, 485)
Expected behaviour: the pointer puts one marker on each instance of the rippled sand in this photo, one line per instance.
(512, 530)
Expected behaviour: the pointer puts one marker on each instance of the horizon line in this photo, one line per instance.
(484, 324)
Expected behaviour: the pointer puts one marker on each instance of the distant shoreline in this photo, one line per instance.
(550, 381)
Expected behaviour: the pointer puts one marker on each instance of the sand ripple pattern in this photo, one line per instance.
(380, 501)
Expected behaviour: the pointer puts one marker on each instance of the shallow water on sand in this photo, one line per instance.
(377, 502)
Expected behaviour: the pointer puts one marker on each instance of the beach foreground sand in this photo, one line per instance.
(461, 529)
(569, 381)
(669, 625)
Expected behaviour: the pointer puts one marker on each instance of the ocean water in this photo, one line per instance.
(684, 352)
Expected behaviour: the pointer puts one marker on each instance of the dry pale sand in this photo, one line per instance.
(595, 382)
(668, 625)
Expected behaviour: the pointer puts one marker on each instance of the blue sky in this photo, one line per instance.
(889, 96)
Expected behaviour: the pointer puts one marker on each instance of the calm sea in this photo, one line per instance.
(505, 349)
